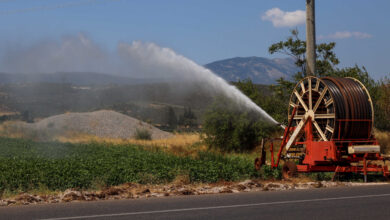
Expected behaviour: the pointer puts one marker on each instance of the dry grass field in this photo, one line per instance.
(180, 144)
(384, 141)
(183, 144)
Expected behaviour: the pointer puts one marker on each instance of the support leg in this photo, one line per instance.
(365, 168)
(335, 173)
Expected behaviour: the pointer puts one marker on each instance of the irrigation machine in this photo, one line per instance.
(330, 124)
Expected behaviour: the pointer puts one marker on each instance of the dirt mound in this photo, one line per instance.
(103, 124)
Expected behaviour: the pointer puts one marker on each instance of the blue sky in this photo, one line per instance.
(205, 31)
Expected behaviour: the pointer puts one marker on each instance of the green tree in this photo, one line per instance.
(227, 128)
(326, 62)
(267, 101)
(382, 105)
(296, 48)
(230, 127)
(171, 119)
(188, 118)
(27, 116)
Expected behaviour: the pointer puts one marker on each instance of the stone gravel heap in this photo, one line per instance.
(103, 124)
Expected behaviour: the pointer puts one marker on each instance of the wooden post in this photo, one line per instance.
(310, 38)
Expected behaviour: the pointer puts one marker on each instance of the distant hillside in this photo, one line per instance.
(258, 69)
(74, 78)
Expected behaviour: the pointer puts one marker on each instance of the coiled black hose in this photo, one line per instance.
(353, 110)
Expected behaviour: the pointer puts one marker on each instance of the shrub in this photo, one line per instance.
(142, 134)
(382, 105)
(384, 140)
(320, 176)
(188, 119)
(171, 119)
(229, 128)
(267, 172)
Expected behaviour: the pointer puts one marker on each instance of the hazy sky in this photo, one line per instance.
(204, 30)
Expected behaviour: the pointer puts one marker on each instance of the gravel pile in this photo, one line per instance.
(103, 123)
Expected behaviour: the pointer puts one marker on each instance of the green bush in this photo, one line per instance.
(382, 104)
(320, 176)
(229, 128)
(267, 172)
(142, 134)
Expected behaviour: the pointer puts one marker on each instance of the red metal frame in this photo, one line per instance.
(287, 130)
(330, 156)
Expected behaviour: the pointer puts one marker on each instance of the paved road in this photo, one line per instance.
(363, 202)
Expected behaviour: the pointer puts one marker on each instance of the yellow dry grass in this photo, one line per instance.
(384, 140)
(176, 140)
(8, 129)
(179, 144)
(7, 113)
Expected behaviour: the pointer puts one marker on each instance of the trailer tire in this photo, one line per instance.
(258, 164)
(289, 170)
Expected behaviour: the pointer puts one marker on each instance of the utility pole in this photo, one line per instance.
(310, 38)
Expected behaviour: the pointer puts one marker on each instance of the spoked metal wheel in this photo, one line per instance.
(312, 98)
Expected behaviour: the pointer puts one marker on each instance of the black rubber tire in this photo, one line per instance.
(258, 164)
(289, 170)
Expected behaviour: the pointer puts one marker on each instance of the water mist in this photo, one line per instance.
(78, 53)
(150, 58)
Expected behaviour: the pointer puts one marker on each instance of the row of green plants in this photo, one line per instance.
(26, 165)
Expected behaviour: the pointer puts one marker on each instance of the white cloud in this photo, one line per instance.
(346, 34)
(281, 18)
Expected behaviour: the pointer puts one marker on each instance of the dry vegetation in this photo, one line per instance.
(180, 144)
(183, 144)
(383, 138)
(136, 191)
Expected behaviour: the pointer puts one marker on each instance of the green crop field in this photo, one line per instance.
(27, 165)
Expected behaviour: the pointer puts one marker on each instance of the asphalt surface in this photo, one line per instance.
(362, 202)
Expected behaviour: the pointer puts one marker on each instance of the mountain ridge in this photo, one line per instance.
(260, 70)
